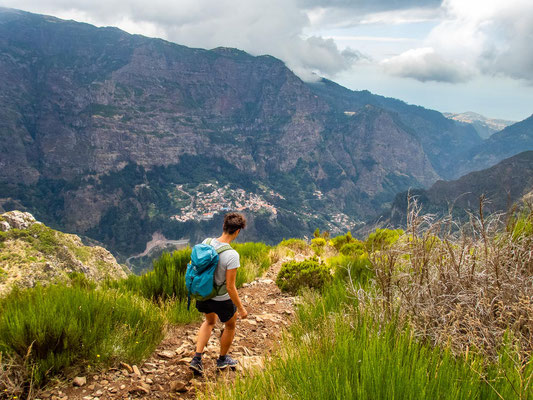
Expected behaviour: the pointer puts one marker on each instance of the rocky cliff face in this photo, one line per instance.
(32, 253)
(98, 127)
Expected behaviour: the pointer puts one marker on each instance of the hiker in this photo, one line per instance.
(225, 305)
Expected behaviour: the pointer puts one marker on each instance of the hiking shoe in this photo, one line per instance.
(197, 366)
(226, 362)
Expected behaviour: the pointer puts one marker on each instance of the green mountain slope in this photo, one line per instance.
(502, 185)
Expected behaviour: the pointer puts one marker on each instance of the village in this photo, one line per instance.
(209, 199)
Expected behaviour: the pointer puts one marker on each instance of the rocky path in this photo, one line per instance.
(165, 375)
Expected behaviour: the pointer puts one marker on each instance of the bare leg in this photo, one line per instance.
(204, 332)
(227, 336)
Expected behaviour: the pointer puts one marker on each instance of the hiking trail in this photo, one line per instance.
(166, 374)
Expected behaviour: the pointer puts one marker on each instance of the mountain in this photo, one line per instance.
(32, 253)
(444, 141)
(484, 126)
(116, 137)
(506, 143)
(504, 184)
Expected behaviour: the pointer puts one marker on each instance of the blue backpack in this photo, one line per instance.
(200, 275)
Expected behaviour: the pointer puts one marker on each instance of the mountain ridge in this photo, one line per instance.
(98, 128)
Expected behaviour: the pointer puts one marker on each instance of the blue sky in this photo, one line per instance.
(449, 55)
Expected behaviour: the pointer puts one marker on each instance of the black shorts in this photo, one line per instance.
(224, 309)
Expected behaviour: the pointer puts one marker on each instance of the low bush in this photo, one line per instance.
(295, 275)
(318, 244)
(165, 281)
(382, 239)
(354, 248)
(297, 245)
(58, 328)
(358, 269)
(255, 260)
(341, 240)
(176, 312)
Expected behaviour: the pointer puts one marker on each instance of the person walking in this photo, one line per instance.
(226, 305)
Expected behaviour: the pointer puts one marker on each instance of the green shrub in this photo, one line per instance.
(295, 275)
(356, 268)
(294, 244)
(61, 327)
(166, 281)
(339, 241)
(354, 248)
(318, 244)
(176, 312)
(382, 239)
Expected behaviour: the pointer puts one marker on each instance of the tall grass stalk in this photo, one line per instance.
(58, 328)
(336, 351)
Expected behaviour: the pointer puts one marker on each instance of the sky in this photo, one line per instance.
(448, 55)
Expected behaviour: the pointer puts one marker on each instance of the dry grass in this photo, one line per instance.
(469, 287)
(13, 376)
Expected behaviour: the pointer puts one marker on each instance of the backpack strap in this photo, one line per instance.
(220, 249)
(222, 288)
(224, 248)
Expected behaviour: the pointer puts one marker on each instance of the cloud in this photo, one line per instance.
(493, 36)
(424, 64)
(370, 6)
(272, 27)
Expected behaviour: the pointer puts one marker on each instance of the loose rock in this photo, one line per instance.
(79, 381)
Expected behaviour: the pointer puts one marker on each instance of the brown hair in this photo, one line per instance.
(233, 222)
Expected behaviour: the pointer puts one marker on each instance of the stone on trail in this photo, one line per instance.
(127, 367)
(136, 370)
(178, 386)
(139, 389)
(166, 354)
(79, 381)
(251, 322)
(271, 303)
(185, 360)
(182, 349)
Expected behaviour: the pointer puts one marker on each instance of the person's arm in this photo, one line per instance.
(231, 276)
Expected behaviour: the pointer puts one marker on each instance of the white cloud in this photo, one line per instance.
(424, 64)
(493, 36)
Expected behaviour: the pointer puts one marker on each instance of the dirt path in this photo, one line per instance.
(165, 375)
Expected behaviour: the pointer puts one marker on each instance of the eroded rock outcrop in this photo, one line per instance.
(32, 253)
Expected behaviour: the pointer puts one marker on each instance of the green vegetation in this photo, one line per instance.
(58, 328)
(368, 360)
(165, 281)
(376, 330)
(341, 240)
(382, 239)
(255, 260)
(80, 325)
(318, 244)
(295, 275)
(294, 244)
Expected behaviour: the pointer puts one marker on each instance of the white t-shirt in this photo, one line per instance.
(228, 259)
